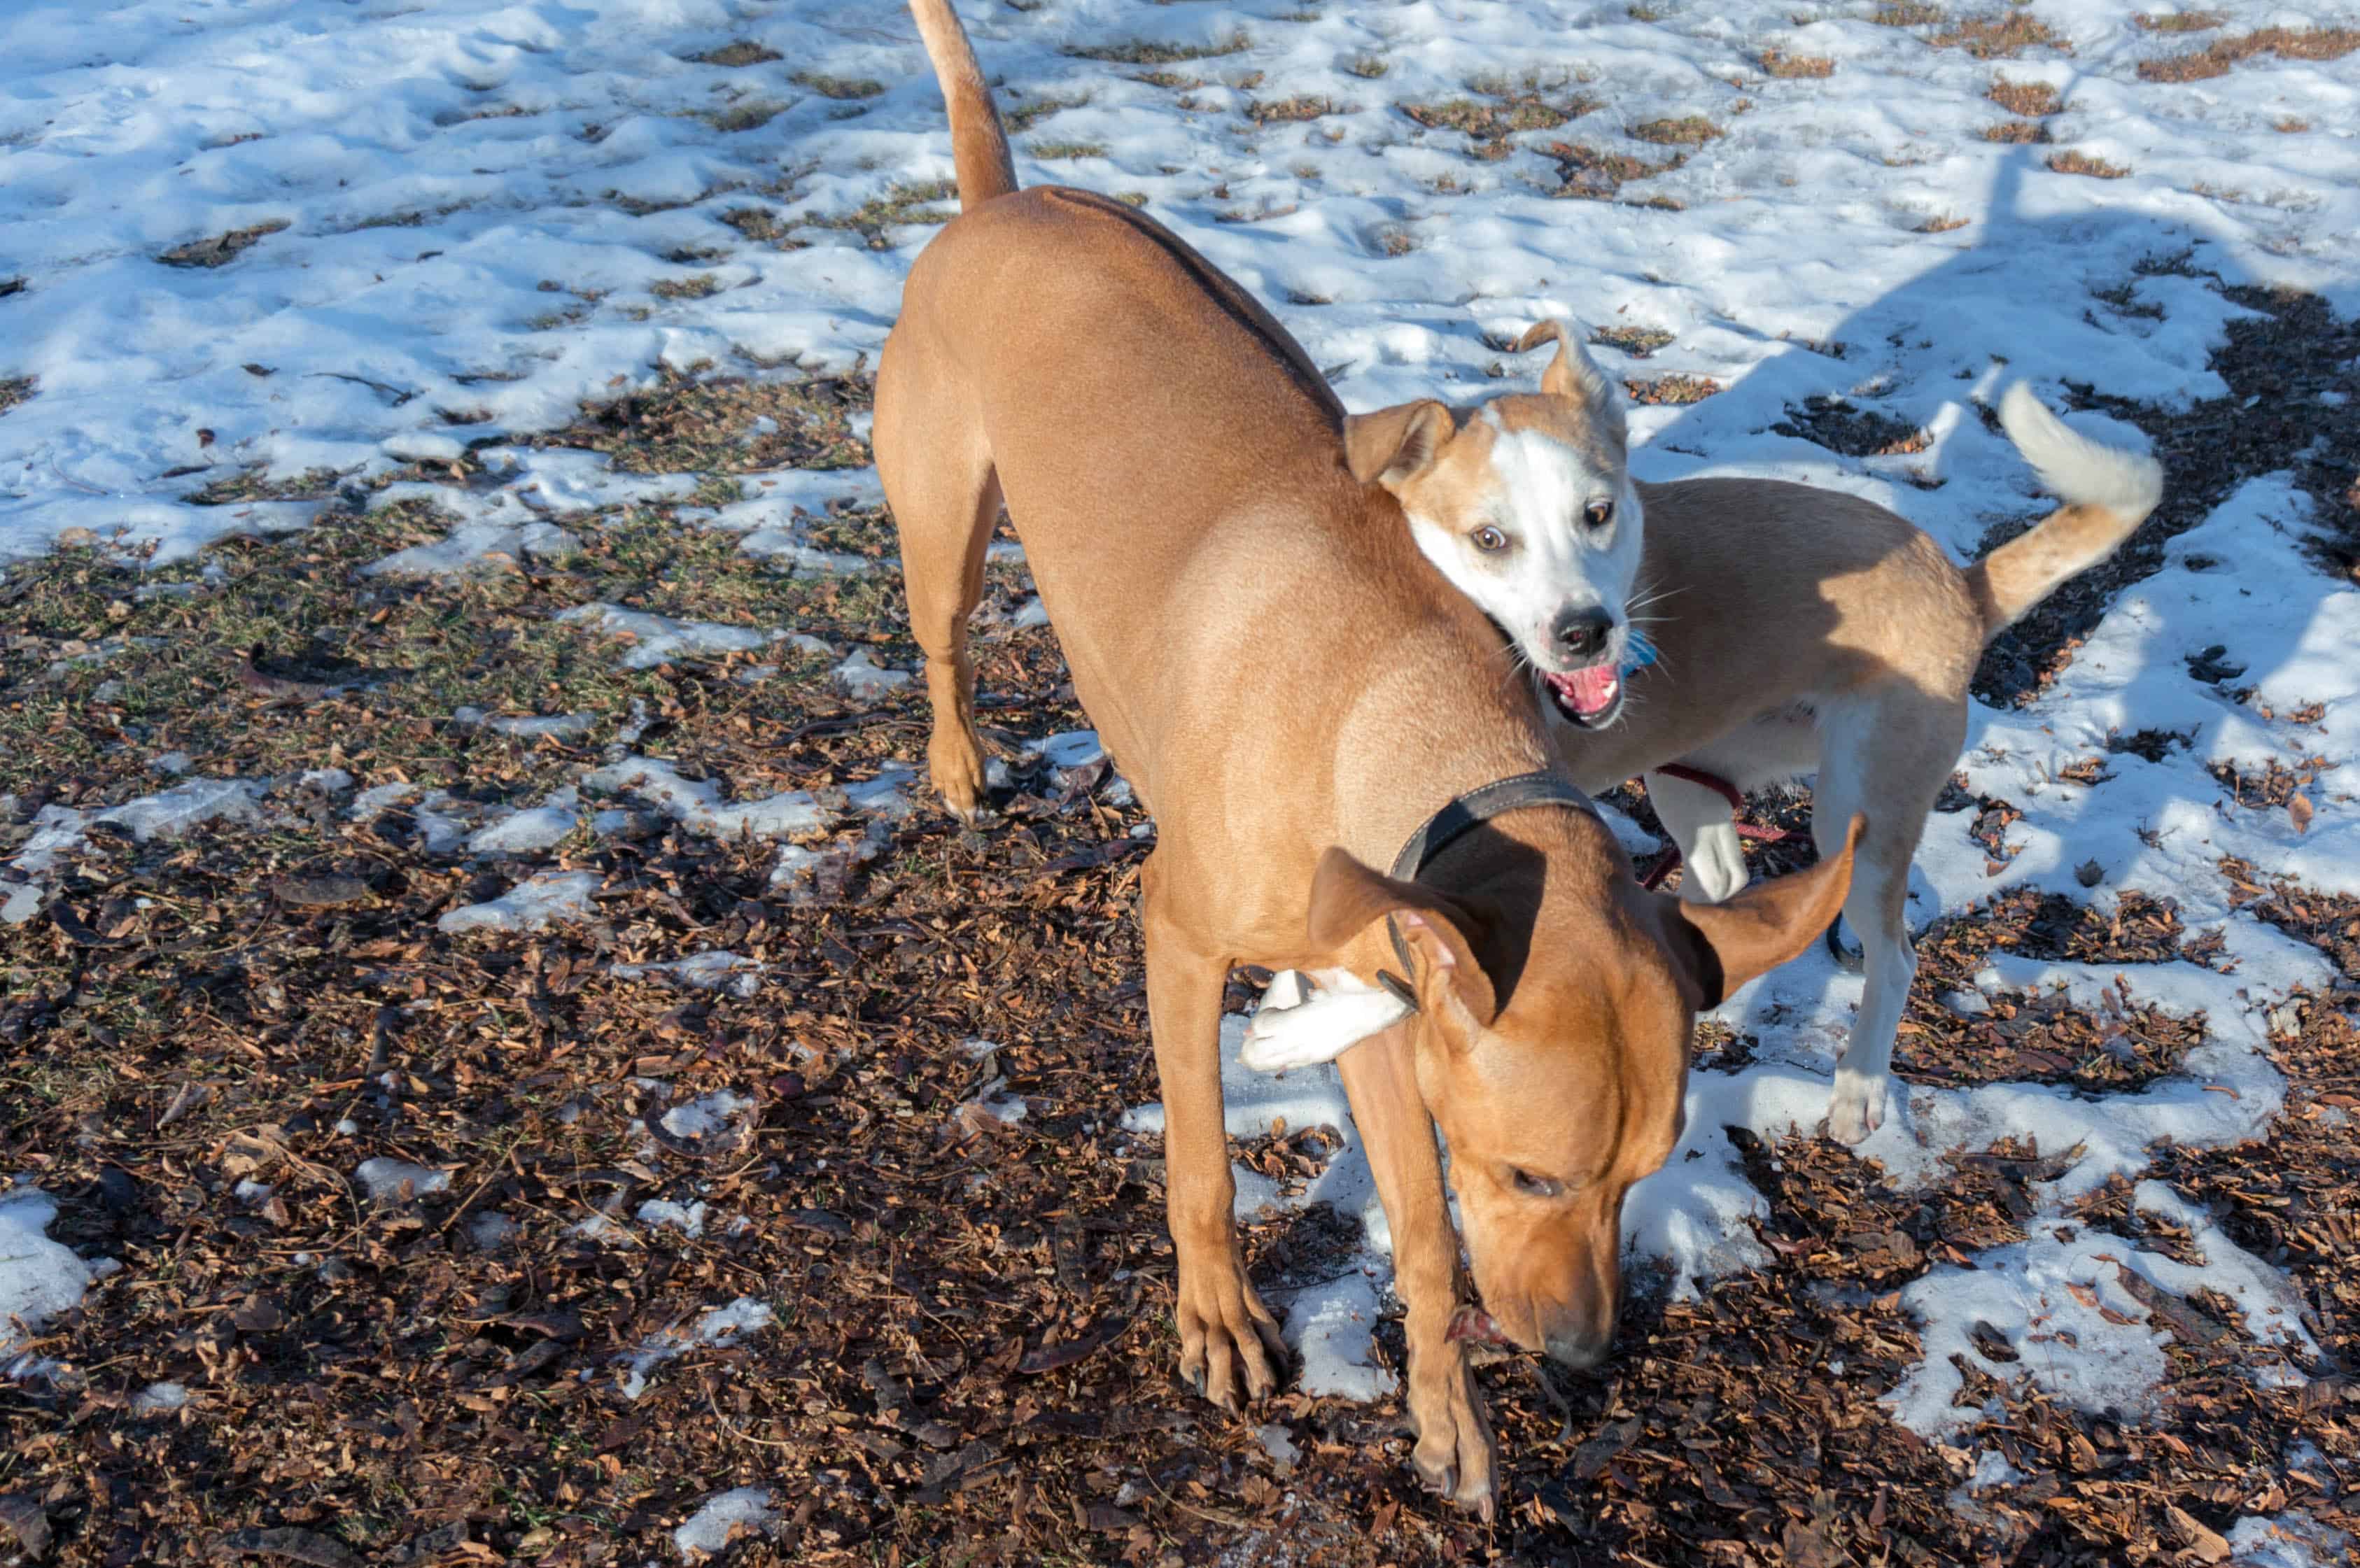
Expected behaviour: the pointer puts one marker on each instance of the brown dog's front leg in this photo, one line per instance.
(1454, 1453)
(1228, 1337)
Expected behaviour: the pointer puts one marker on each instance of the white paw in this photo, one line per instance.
(1857, 1107)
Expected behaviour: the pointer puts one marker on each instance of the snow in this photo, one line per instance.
(552, 726)
(158, 1399)
(706, 1115)
(697, 804)
(711, 1527)
(534, 904)
(386, 1180)
(720, 1327)
(38, 1277)
(656, 640)
(863, 677)
(712, 970)
(686, 1218)
(60, 831)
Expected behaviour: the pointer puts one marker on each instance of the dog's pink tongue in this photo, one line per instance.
(1475, 1324)
(1588, 691)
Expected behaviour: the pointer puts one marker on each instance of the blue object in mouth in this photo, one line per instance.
(1638, 651)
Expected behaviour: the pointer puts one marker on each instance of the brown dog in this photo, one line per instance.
(1209, 555)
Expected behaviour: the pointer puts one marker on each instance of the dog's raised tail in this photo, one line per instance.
(2107, 491)
(979, 143)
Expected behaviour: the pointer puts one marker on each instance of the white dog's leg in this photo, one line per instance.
(1877, 907)
(1340, 1013)
(1704, 827)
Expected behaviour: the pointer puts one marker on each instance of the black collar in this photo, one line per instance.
(1459, 818)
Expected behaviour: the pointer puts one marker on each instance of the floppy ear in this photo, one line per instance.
(1394, 445)
(1573, 374)
(1347, 898)
(1730, 943)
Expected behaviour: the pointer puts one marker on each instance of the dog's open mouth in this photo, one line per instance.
(1591, 697)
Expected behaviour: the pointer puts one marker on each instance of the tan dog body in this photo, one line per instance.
(1808, 632)
(1284, 678)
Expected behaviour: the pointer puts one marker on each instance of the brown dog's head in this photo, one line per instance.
(1552, 1046)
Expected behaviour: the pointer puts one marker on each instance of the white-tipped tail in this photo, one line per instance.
(2077, 471)
(2107, 493)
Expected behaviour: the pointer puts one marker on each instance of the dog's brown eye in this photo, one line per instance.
(1599, 514)
(1535, 1186)
(1489, 538)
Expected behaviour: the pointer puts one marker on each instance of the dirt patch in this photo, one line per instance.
(1688, 130)
(1794, 67)
(16, 389)
(1839, 427)
(1594, 174)
(2222, 55)
(220, 250)
(1676, 388)
(737, 55)
(715, 426)
(2034, 99)
(1292, 111)
(2016, 132)
(2002, 37)
(1638, 341)
(1139, 52)
(2075, 161)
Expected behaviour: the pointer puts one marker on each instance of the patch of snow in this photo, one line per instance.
(531, 830)
(1279, 1444)
(535, 904)
(720, 1327)
(657, 639)
(714, 970)
(550, 726)
(863, 678)
(746, 1510)
(385, 1180)
(38, 1277)
(688, 1219)
(707, 1114)
(479, 548)
(697, 804)
(172, 764)
(491, 1230)
(159, 1398)
(1073, 748)
(2286, 1541)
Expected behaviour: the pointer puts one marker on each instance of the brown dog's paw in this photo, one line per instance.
(1228, 1342)
(957, 769)
(1454, 1454)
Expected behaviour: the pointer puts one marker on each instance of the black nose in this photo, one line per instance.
(1578, 1351)
(1583, 633)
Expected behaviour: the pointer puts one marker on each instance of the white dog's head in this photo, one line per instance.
(1525, 503)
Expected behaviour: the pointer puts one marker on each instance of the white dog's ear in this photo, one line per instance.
(1333, 1021)
(1573, 374)
(1393, 446)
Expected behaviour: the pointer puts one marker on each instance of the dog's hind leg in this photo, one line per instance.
(938, 478)
(1228, 1337)
(1887, 758)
